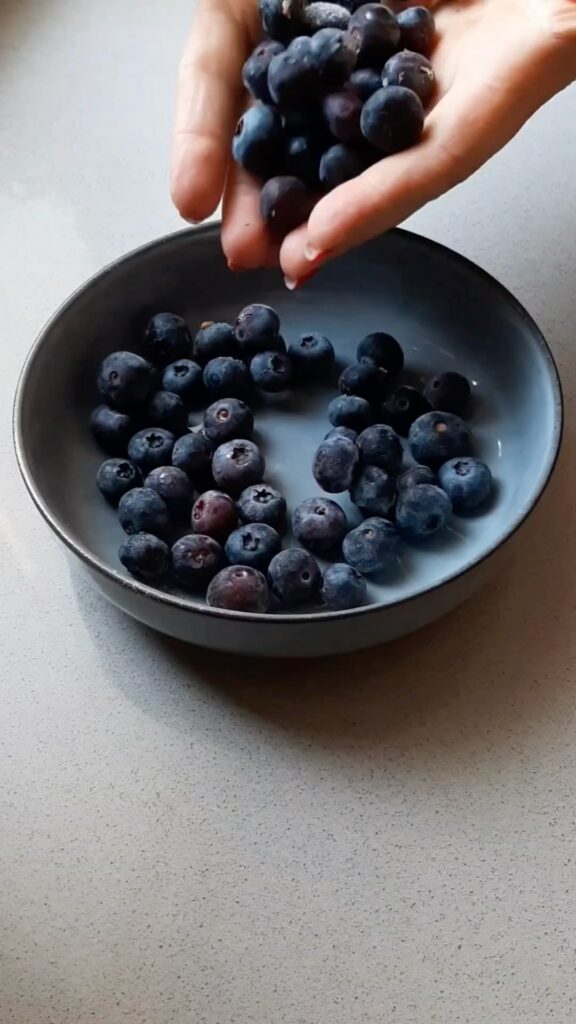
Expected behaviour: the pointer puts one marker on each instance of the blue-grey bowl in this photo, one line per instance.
(446, 313)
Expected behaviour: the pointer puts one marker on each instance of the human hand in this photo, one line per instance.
(496, 62)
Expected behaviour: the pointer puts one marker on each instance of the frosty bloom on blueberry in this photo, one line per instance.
(187, 473)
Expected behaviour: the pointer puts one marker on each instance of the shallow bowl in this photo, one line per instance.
(447, 314)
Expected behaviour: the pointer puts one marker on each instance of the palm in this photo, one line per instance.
(496, 62)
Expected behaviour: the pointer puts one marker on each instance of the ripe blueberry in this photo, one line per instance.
(404, 405)
(312, 356)
(422, 511)
(448, 392)
(467, 482)
(174, 487)
(125, 380)
(260, 503)
(225, 377)
(184, 378)
(380, 446)
(239, 588)
(436, 437)
(111, 429)
(253, 544)
(373, 546)
(196, 559)
(392, 119)
(373, 491)
(350, 411)
(214, 514)
(294, 577)
(383, 350)
(319, 524)
(145, 556)
(116, 477)
(334, 464)
(166, 339)
(226, 419)
(236, 465)
(343, 587)
(151, 448)
(143, 511)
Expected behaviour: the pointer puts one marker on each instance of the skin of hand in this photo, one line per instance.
(496, 63)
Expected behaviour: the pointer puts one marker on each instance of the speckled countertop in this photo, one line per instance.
(385, 838)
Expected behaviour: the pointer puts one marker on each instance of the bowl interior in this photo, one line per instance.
(444, 311)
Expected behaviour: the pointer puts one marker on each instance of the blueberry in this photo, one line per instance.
(271, 371)
(125, 380)
(213, 340)
(166, 339)
(299, 122)
(239, 588)
(225, 377)
(467, 482)
(196, 559)
(365, 380)
(145, 556)
(448, 392)
(373, 491)
(415, 476)
(111, 429)
(333, 56)
(319, 524)
(342, 432)
(151, 448)
(373, 546)
(285, 204)
(374, 31)
(214, 514)
(174, 487)
(334, 464)
(412, 71)
(380, 446)
(143, 511)
(260, 503)
(253, 544)
(293, 78)
(312, 356)
(281, 18)
(255, 70)
(294, 577)
(320, 15)
(302, 160)
(437, 437)
(350, 411)
(343, 587)
(402, 407)
(392, 119)
(193, 454)
(340, 163)
(417, 30)
(342, 112)
(257, 141)
(184, 378)
(383, 350)
(226, 419)
(422, 511)
(365, 82)
(256, 329)
(116, 477)
(166, 410)
(236, 465)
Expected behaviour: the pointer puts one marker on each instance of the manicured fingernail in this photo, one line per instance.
(194, 223)
(290, 283)
(233, 266)
(312, 254)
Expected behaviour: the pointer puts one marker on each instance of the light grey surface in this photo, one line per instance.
(388, 837)
(447, 315)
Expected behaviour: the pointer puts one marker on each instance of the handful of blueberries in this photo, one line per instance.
(337, 86)
(193, 500)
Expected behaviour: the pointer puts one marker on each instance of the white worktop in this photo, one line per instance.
(385, 839)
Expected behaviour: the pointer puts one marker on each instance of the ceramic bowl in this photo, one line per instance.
(447, 314)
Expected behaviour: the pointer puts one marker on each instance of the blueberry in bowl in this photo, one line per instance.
(399, 285)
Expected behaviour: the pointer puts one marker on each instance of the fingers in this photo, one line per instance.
(245, 240)
(209, 95)
(383, 196)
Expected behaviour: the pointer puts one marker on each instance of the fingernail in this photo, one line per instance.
(312, 254)
(194, 223)
(233, 266)
(292, 283)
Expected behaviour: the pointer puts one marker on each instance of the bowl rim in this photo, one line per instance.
(189, 604)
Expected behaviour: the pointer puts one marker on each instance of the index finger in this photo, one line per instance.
(209, 97)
